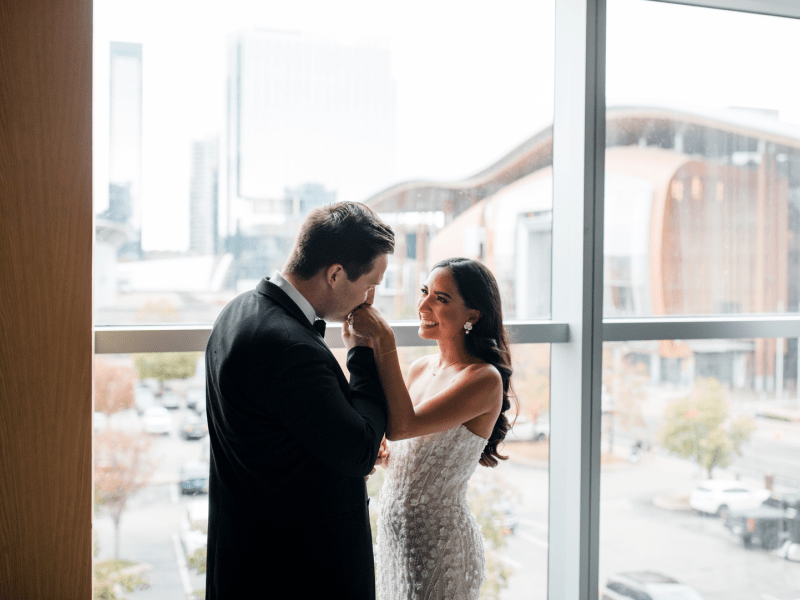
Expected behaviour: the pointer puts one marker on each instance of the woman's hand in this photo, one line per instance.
(367, 322)
(350, 339)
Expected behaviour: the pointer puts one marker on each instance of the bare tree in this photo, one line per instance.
(113, 387)
(122, 467)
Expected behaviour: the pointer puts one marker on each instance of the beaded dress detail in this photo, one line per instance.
(429, 543)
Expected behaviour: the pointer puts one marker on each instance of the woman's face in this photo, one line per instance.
(441, 309)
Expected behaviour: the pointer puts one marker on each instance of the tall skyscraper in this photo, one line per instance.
(204, 193)
(302, 110)
(125, 142)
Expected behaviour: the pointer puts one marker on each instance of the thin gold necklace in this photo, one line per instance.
(444, 367)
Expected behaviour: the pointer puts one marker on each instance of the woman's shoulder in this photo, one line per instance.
(482, 370)
(483, 376)
(420, 365)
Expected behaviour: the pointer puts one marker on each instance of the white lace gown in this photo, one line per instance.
(429, 543)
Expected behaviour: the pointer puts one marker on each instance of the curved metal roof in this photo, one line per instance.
(453, 197)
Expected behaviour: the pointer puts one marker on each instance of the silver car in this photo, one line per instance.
(646, 585)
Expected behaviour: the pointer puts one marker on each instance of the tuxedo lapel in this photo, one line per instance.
(269, 289)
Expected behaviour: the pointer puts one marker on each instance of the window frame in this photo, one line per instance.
(577, 329)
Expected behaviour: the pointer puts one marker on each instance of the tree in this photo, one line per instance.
(531, 379)
(122, 467)
(623, 382)
(697, 427)
(487, 494)
(164, 366)
(113, 387)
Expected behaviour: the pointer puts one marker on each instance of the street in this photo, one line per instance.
(634, 533)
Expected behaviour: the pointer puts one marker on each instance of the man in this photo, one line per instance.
(291, 439)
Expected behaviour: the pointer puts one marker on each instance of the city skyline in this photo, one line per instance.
(304, 110)
(463, 98)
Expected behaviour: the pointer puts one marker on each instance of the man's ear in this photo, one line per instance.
(334, 274)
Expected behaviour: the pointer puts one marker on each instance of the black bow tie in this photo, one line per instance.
(319, 325)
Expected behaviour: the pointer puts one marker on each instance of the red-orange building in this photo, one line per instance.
(702, 216)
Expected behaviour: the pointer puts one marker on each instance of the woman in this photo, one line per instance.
(450, 418)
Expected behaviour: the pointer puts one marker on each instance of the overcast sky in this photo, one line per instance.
(473, 79)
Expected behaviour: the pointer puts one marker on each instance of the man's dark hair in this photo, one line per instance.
(347, 233)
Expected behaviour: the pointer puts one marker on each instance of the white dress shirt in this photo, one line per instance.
(298, 298)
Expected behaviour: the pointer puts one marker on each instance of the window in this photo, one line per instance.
(213, 142)
(704, 228)
(247, 120)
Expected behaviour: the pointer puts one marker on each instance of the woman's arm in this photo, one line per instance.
(478, 389)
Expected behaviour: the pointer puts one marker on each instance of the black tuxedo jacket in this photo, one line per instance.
(291, 442)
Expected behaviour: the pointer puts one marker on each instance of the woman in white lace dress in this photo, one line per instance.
(448, 419)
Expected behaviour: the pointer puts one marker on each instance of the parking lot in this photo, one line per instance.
(636, 531)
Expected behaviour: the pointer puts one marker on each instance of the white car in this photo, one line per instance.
(646, 584)
(196, 399)
(100, 422)
(170, 400)
(157, 419)
(527, 430)
(717, 496)
(143, 398)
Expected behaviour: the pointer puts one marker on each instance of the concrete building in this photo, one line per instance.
(204, 197)
(702, 216)
(125, 143)
(310, 121)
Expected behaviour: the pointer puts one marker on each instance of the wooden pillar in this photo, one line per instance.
(46, 233)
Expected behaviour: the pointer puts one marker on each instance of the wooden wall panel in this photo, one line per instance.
(46, 234)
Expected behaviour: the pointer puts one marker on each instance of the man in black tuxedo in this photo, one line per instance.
(291, 439)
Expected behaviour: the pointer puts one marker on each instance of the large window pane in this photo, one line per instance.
(702, 162)
(151, 473)
(700, 472)
(151, 469)
(218, 128)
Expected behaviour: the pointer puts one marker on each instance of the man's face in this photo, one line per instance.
(349, 295)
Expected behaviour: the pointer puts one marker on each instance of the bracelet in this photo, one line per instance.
(389, 352)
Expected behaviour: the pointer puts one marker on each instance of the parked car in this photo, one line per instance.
(763, 526)
(196, 399)
(143, 398)
(194, 526)
(646, 585)
(100, 422)
(522, 430)
(718, 496)
(774, 524)
(194, 427)
(541, 428)
(194, 477)
(526, 430)
(157, 419)
(170, 399)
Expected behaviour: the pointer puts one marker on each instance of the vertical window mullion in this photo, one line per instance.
(578, 150)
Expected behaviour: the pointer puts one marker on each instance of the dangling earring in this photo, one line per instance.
(467, 327)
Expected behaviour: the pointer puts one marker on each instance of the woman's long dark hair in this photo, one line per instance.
(488, 339)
